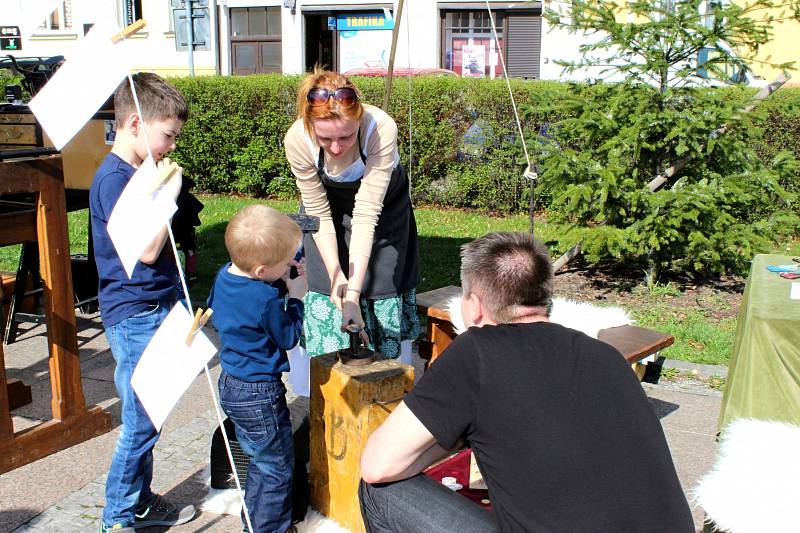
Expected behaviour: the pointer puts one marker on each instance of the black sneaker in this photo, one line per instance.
(163, 513)
(116, 528)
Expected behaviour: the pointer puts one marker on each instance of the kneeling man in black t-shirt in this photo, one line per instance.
(564, 435)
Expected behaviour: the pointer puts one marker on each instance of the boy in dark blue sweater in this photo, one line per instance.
(132, 308)
(256, 325)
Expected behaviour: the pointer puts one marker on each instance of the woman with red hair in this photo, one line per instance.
(362, 264)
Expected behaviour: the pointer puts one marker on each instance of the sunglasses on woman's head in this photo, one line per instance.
(345, 96)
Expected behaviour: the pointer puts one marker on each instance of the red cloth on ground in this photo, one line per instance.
(458, 467)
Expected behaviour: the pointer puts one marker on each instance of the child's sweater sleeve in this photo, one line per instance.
(283, 326)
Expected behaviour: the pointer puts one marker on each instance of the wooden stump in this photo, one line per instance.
(347, 404)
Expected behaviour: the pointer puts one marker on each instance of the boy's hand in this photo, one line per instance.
(174, 184)
(297, 287)
(298, 268)
(301, 266)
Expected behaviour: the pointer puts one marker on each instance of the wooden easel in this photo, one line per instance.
(72, 422)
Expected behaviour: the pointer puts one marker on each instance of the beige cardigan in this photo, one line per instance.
(382, 158)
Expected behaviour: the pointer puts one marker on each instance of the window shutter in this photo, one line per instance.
(524, 39)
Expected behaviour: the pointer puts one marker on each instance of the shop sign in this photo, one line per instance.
(363, 21)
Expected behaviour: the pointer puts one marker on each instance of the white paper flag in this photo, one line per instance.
(168, 366)
(139, 215)
(82, 84)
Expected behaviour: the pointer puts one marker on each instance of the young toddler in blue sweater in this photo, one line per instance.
(257, 323)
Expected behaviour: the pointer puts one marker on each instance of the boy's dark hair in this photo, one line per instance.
(508, 270)
(158, 99)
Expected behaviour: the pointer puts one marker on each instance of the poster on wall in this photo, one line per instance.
(365, 40)
(473, 61)
(460, 53)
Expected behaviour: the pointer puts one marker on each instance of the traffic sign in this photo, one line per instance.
(10, 38)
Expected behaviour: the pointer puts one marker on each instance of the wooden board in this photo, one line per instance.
(347, 404)
(633, 342)
(83, 154)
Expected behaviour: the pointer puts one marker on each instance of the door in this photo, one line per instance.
(256, 40)
(321, 41)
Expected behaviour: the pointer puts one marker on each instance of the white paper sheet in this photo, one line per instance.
(168, 366)
(795, 293)
(139, 215)
(299, 375)
(81, 85)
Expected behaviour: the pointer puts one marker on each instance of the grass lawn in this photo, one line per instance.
(701, 335)
(703, 332)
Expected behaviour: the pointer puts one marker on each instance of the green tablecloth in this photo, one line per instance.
(764, 373)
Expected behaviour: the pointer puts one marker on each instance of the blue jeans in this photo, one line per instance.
(420, 505)
(131, 470)
(264, 431)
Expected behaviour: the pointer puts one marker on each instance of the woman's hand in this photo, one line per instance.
(338, 288)
(351, 314)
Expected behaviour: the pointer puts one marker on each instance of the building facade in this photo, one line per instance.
(237, 37)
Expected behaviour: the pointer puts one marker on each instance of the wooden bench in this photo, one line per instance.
(633, 342)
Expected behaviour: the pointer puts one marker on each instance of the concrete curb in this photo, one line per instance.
(702, 370)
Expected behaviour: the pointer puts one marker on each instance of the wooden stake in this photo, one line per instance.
(390, 68)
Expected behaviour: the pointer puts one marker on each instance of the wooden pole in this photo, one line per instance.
(390, 68)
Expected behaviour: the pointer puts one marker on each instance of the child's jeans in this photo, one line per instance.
(131, 470)
(264, 430)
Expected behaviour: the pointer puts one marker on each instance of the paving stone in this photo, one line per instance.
(687, 413)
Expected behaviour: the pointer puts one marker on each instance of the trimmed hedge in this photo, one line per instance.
(464, 150)
(233, 140)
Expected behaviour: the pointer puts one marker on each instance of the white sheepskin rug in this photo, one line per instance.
(588, 318)
(227, 501)
(754, 485)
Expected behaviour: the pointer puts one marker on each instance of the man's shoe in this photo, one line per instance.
(117, 528)
(163, 513)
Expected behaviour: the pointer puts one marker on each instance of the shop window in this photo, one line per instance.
(58, 19)
(469, 46)
(131, 11)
